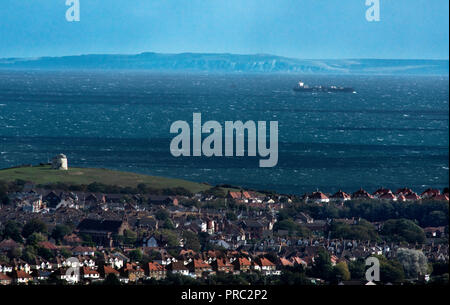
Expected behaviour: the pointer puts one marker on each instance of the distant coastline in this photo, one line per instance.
(211, 62)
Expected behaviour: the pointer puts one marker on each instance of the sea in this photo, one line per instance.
(393, 132)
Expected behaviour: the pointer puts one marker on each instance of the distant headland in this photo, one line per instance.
(210, 62)
(49, 176)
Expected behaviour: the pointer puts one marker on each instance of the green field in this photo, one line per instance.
(78, 176)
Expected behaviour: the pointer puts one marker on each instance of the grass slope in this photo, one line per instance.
(77, 176)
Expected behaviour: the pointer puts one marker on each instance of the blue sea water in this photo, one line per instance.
(393, 132)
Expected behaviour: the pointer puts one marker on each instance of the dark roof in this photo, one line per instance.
(252, 224)
(159, 199)
(100, 225)
(114, 196)
(147, 222)
(51, 195)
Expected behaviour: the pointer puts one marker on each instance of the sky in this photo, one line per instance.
(309, 29)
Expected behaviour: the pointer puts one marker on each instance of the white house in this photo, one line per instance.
(89, 273)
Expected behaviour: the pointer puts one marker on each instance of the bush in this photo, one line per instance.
(400, 230)
(135, 255)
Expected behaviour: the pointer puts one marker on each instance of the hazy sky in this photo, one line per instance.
(294, 28)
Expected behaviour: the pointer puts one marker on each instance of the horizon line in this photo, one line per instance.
(220, 53)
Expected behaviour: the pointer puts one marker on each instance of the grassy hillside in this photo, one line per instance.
(77, 176)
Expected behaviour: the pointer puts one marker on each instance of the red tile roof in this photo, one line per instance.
(265, 262)
(83, 249)
(21, 274)
(223, 263)
(130, 266)
(412, 196)
(155, 267)
(235, 195)
(382, 191)
(200, 264)
(318, 195)
(405, 191)
(246, 195)
(178, 266)
(244, 262)
(299, 261)
(441, 197)
(8, 243)
(48, 245)
(431, 192)
(4, 277)
(108, 270)
(401, 197)
(388, 196)
(434, 229)
(73, 238)
(87, 270)
(361, 194)
(286, 262)
(342, 195)
(187, 252)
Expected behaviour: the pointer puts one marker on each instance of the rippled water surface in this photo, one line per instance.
(393, 132)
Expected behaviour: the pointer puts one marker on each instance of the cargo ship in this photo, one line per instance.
(301, 87)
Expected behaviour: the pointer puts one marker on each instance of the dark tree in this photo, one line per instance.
(60, 231)
(111, 280)
(322, 267)
(162, 214)
(34, 226)
(12, 231)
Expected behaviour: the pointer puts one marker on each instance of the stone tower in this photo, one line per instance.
(60, 162)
